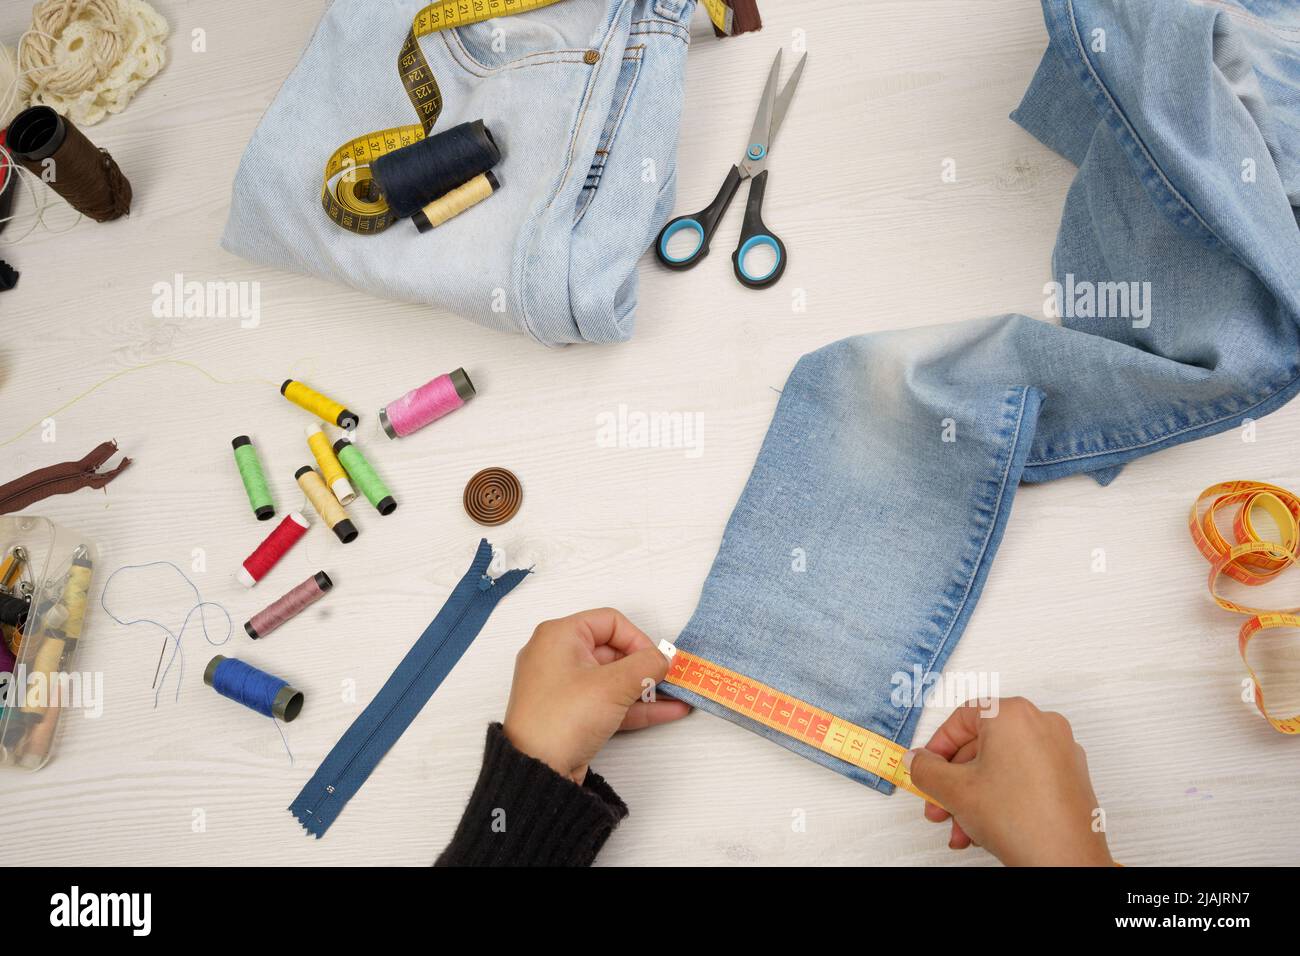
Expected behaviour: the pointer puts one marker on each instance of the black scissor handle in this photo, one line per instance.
(753, 233)
(702, 223)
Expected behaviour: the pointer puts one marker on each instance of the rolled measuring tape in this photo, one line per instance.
(1250, 559)
(349, 194)
(790, 716)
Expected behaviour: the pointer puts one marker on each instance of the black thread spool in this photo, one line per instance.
(50, 146)
(414, 175)
(13, 610)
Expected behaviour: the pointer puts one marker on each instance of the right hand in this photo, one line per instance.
(1015, 783)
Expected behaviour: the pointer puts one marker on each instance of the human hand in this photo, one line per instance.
(1016, 783)
(578, 681)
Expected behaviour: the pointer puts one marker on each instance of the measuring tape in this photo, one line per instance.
(1251, 559)
(811, 725)
(349, 193)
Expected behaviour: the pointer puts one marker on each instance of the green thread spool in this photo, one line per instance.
(250, 471)
(365, 477)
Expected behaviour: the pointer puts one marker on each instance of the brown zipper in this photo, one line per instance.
(61, 479)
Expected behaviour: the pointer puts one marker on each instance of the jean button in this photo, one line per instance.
(591, 57)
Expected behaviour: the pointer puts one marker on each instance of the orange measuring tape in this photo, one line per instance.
(1251, 559)
(790, 716)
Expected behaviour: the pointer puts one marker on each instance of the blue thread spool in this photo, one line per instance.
(257, 690)
(414, 175)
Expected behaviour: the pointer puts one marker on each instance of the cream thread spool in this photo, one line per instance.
(452, 204)
(326, 505)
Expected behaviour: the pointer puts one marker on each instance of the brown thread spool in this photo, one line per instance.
(493, 496)
(83, 174)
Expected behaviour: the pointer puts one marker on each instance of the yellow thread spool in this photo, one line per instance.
(330, 466)
(326, 505)
(452, 204)
(322, 406)
(74, 599)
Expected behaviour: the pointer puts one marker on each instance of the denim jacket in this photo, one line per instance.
(893, 458)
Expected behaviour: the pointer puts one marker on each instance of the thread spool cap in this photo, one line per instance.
(347, 531)
(211, 669)
(385, 424)
(239, 441)
(464, 387)
(301, 471)
(347, 420)
(386, 506)
(339, 445)
(36, 134)
(287, 704)
(343, 491)
(323, 581)
(248, 629)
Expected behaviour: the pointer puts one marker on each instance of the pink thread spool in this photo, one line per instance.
(426, 404)
(288, 606)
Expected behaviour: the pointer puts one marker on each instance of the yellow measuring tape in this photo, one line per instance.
(1251, 559)
(349, 193)
(790, 716)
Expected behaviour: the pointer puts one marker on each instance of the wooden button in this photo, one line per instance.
(493, 496)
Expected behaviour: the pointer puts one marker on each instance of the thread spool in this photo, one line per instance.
(69, 615)
(365, 477)
(254, 479)
(13, 610)
(322, 406)
(257, 690)
(326, 505)
(273, 547)
(452, 204)
(49, 657)
(330, 467)
(414, 175)
(426, 404)
(288, 606)
(34, 749)
(86, 176)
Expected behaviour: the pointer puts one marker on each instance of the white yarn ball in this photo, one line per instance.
(11, 98)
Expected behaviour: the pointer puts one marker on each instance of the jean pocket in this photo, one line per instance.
(633, 56)
(510, 43)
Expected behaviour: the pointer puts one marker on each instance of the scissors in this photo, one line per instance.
(753, 166)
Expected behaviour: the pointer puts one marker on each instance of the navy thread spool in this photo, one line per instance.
(414, 175)
(257, 690)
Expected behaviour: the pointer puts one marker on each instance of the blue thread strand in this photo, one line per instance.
(175, 637)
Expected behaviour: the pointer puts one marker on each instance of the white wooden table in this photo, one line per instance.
(1137, 657)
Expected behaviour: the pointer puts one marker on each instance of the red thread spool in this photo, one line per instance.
(273, 547)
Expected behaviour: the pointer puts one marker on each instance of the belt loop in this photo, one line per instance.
(671, 9)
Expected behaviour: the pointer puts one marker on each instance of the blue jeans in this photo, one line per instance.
(860, 545)
(588, 171)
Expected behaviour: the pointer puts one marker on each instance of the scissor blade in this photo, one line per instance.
(756, 147)
(783, 101)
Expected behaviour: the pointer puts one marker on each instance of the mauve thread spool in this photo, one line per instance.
(288, 606)
(83, 174)
(415, 175)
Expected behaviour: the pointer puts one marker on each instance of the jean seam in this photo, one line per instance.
(1167, 435)
(1131, 133)
(974, 572)
(604, 146)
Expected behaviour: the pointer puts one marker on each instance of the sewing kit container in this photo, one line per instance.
(51, 568)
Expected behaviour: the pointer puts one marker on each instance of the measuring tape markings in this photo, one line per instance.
(355, 202)
(1252, 560)
(790, 716)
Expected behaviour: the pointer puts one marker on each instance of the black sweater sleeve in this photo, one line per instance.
(523, 813)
